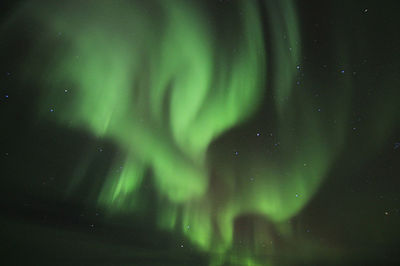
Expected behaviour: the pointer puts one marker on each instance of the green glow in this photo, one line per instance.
(121, 185)
(163, 89)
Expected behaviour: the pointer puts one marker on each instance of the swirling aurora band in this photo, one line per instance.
(162, 81)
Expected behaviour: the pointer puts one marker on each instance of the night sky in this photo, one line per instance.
(210, 132)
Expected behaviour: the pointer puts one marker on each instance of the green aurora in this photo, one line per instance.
(164, 87)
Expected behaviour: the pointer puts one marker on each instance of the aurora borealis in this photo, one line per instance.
(200, 132)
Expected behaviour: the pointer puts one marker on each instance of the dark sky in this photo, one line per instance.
(352, 219)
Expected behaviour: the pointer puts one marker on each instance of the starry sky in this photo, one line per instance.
(217, 132)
